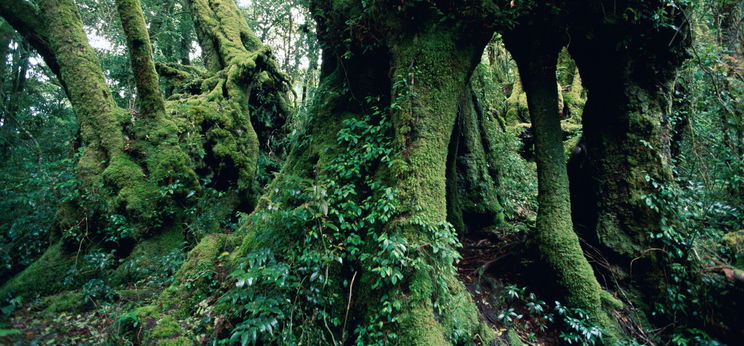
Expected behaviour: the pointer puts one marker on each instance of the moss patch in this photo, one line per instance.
(72, 301)
(43, 277)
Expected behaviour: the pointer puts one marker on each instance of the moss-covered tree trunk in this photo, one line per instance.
(142, 173)
(150, 98)
(228, 45)
(57, 33)
(472, 175)
(536, 54)
(436, 65)
(627, 77)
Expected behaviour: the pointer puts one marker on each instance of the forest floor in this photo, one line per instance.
(91, 324)
(492, 268)
(497, 267)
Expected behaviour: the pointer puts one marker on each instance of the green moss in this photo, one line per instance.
(125, 174)
(516, 105)
(166, 327)
(193, 284)
(206, 253)
(423, 125)
(734, 241)
(135, 294)
(574, 99)
(43, 277)
(228, 134)
(72, 301)
(419, 327)
(147, 251)
(461, 317)
(472, 179)
(610, 302)
(179, 341)
(148, 311)
(513, 338)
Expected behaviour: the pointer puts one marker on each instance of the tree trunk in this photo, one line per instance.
(625, 150)
(536, 55)
(472, 176)
(63, 43)
(150, 99)
(141, 172)
(437, 68)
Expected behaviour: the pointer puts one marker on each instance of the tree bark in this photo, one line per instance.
(472, 176)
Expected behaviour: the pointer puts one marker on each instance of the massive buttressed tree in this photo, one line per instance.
(351, 241)
(356, 220)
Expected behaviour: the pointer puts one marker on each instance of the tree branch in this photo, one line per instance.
(25, 19)
(140, 53)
